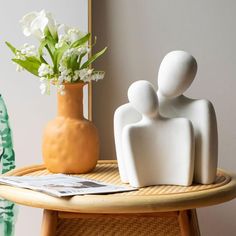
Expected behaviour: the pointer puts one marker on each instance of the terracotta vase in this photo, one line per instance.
(70, 142)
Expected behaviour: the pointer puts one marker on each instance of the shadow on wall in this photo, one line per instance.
(103, 91)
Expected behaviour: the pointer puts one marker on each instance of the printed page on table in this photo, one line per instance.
(61, 185)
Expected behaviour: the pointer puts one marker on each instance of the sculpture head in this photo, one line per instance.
(177, 72)
(143, 98)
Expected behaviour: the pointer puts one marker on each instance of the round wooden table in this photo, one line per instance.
(155, 210)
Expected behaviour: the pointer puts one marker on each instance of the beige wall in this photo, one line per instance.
(139, 33)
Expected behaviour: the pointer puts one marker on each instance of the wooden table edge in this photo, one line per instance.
(115, 203)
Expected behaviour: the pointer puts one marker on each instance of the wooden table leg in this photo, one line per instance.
(195, 230)
(49, 223)
(187, 219)
(184, 223)
(188, 223)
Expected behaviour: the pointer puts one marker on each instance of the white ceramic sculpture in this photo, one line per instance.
(123, 116)
(153, 148)
(176, 73)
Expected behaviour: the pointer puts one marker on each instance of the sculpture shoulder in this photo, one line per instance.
(203, 102)
(123, 108)
(182, 122)
(126, 114)
(204, 105)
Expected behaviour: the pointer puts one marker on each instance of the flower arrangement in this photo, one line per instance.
(62, 55)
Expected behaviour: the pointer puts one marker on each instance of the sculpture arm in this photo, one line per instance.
(206, 144)
(123, 116)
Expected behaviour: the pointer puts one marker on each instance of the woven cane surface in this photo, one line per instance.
(130, 226)
(108, 172)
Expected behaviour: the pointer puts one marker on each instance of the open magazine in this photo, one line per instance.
(61, 185)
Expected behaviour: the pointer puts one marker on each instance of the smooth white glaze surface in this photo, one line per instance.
(156, 150)
(177, 71)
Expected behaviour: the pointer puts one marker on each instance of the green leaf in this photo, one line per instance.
(40, 51)
(51, 51)
(93, 58)
(30, 64)
(73, 62)
(94, 43)
(12, 48)
(50, 46)
(49, 34)
(80, 41)
(33, 60)
(79, 62)
(58, 55)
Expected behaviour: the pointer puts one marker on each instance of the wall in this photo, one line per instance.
(29, 111)
(139, 34)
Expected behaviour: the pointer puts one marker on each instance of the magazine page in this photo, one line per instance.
(62, 185)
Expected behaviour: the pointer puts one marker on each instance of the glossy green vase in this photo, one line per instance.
(7, 158)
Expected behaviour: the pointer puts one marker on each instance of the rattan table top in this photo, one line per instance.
(149, 199)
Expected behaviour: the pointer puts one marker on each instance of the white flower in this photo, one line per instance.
(66, 74)
(28, 50)
(35, 23)
(69, 36)
(69, 52)
(20, 57)
(68, 78)
(62, 40)
(74, 52)
(90, 71)
(42, 79)
(61, 89)
(84, 74)
(60, 79)
(82, 49)
(76, 75)
(98, 76)
(19, 68)
(45, 70)
(25, 51)
(74, 34)
(43, 88)
(62, 67)
(62, 29)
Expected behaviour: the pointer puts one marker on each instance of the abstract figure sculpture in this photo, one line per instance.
(154, 150)
(177, 71)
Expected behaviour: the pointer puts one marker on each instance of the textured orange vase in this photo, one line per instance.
(70, 142)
